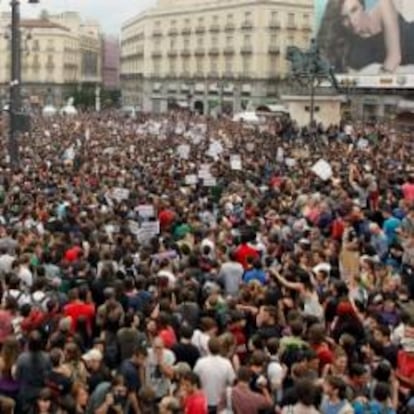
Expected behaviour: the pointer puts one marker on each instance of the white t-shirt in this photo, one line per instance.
(215, 373)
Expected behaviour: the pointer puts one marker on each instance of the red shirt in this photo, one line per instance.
(195, 404)
(166, 218)
(78, 309)
(168, 337)
(243, 252)
(405, 364)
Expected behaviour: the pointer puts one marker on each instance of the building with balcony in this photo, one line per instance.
(210, 54)
(51, 58)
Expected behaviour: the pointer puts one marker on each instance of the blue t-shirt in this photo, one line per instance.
(373, 407)
(329, 408)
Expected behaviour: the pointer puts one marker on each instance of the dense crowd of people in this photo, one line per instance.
(178, 264)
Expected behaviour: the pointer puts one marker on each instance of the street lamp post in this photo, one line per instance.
(15, 82)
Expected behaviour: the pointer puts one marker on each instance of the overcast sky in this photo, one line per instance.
(111, 13)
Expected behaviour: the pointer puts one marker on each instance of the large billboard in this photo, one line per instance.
(371, 41)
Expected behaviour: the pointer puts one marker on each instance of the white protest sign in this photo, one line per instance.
(147, 231)
(204, 171)
(236, 163)
(323, 170)
(146, 211)
(133, 227)
(191, 179)
(290, 162)
(120, 194)
(87, 134)
(280, 154)
(209, 181)
(183, 151)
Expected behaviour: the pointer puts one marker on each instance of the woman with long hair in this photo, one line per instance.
(9, 387)
(353, 37)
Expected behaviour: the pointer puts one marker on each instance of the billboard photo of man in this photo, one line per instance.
(367, 36)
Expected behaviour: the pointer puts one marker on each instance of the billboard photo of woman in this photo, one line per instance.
(358, 35)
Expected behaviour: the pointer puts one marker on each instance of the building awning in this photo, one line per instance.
(406, 105)
(183, 104)
(228, 88)
(199, 87)
(172, 87)
(156, 86)
(246, 88)
(213, 87)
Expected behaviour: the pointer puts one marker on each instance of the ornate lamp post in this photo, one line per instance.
(15, 82)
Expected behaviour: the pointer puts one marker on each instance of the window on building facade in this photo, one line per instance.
(199, 65)
(214, 40)
(273, 40)
(50, 45)
(291, 40)
(247, 40)
(275, 16)
(186, 42)
(228, 64)
(291, 19)
(229, 40)
(186, 65)
(230, 17)
(246, 65)
(36, 45)
(157, 67)
(214, 64)
(173, 43)
(200, 41)
(273, 63)
(306, 19)
(173, 65)
(157, 44)
(247, 15)
(215, 19)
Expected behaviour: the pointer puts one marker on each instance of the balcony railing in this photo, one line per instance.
(186, 53)
(246, 50)
(291, 26)
(172, 53)
(230, 27)
(200, 51)
(274, 25)
(247, 25)
(306, 27)
(173, 31)
(215, 28)
(157, 33)
(246, 75)
(200, 29)
(214, 51)
(213, 74)
(274, 50)
(156, 54)
(228, 50)
(186, 31)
